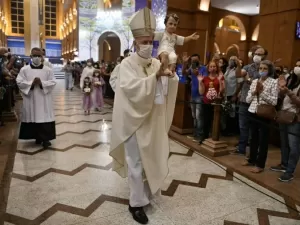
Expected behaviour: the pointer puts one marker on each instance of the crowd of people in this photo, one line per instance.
(248, 93)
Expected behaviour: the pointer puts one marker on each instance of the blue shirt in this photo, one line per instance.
(195, 83)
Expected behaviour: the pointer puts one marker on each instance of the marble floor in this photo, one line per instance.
(72, 182)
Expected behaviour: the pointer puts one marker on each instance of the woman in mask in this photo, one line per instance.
(211, 88)
(263, 91)
(223, 64)
(229, 123)
(87, 72)
(289, 133)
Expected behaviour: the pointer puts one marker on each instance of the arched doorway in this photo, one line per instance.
(229, 32)
(109, 46)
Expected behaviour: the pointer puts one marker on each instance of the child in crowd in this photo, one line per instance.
(98, 85)
(87, 98)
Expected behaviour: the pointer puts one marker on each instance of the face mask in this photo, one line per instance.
(297, 71)
(37, 61)
(220, 64)
(97, 74)
(145, 51)
(231, 64)
(263, 74)
(257, 59)
(285, 71)
(89, 64)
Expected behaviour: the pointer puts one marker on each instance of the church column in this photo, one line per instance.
(32, 31)
(277, 30)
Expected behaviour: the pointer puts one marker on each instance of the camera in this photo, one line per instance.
(195, 65)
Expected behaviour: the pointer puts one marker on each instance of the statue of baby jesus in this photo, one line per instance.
(167, 41)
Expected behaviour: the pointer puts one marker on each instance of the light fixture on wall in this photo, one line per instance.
(204, 5)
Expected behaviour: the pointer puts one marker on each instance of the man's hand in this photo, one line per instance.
(37, 81)
(185, 58)
(162, 72)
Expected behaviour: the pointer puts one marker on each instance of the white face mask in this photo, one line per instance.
(89, 64)
(257, 59)
(297, 71)
(37, 61)
(145, 51)
(97, 74)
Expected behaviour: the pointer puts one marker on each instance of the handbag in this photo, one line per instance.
(286, 117)
(266, 111)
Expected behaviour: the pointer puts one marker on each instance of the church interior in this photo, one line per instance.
(73, 181)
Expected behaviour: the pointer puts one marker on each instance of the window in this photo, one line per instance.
(17, 16)
(50, 18)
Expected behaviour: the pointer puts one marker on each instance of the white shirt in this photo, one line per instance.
(268, 96)
(167, 41)
(37, 101)
(287, 103)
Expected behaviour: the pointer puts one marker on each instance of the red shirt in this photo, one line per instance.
(212, 89)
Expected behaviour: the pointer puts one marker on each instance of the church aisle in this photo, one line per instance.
(72, 182)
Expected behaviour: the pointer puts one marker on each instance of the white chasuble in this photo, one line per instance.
(37, 100)
(135, 112)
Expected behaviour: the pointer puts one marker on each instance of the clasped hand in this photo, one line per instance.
(37, 81)
(259, 88)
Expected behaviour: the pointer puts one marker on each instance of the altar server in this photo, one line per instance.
(142, 117)
(36, 83)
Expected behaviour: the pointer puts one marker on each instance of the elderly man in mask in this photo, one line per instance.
(142, 117)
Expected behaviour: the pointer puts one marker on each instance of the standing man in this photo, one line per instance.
(36, 83)
(249, 72)
(196, 99)
(115, 72)
(142, 117)
(68, 69)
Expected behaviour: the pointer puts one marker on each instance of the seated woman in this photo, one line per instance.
(290, 142)
(263, 91)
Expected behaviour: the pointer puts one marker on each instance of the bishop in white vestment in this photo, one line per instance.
(36, 83)
(142, 117)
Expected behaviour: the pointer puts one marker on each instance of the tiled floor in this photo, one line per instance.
(72, 182)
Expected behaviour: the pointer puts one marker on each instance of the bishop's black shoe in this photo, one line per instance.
(138, 214)
(46, 144)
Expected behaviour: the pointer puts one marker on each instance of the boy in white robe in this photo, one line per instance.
(36, 83)
(140, 124)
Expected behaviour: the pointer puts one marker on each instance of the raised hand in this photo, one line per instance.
(185, 58)
(195, 36)
(200, 78)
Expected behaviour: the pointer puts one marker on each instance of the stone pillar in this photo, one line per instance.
(277, 30)
(32, 31)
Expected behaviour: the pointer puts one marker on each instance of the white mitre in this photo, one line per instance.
(142, 23)
(172, 58)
